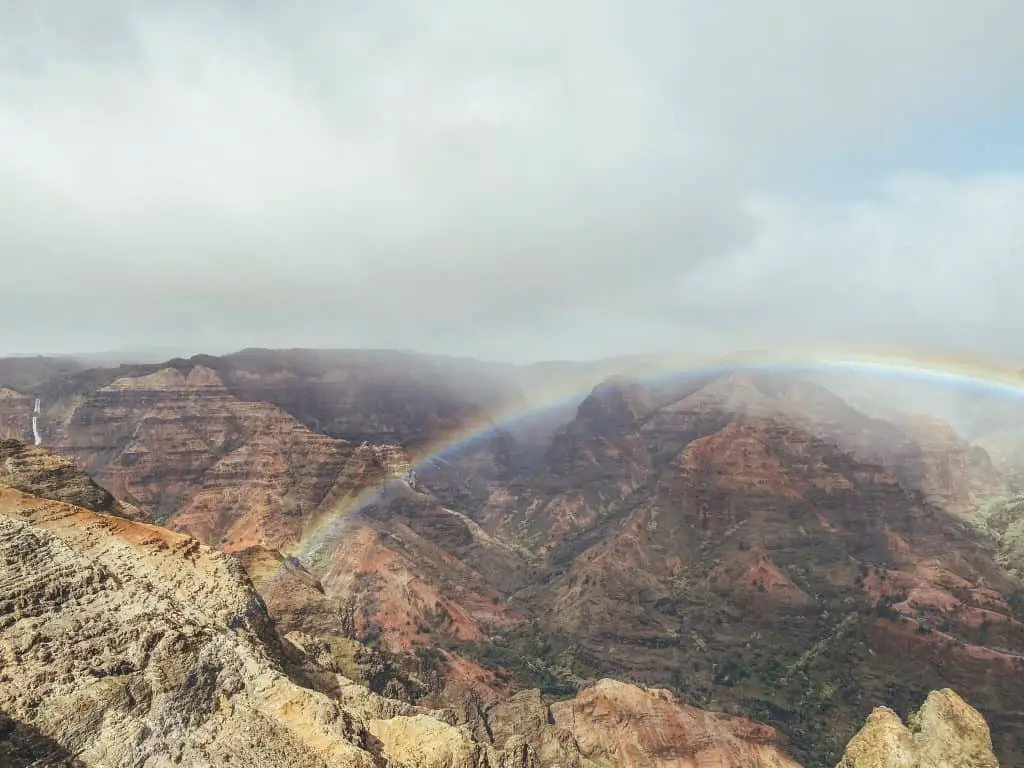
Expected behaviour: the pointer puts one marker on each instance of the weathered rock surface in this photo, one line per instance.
(124, 644)
(945, 733)
(629, 727)
(624, 725)
(527, 714)
(420, 741)
(43, 473)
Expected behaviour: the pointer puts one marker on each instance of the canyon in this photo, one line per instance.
(746, 544)
(125, 644)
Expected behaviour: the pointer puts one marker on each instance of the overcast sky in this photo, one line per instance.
(511, 180)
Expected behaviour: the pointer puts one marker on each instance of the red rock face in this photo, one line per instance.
(179, 445)
(627, 726)
(736, 460)
(406, 571)
(923, 454)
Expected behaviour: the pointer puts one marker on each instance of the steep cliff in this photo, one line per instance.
(177, 444)
(15, 415)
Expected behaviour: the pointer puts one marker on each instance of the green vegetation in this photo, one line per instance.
(1003, 521)
(529, 657)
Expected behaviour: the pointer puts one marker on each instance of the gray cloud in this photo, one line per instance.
(530, 181)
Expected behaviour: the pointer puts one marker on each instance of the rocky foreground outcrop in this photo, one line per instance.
(124, 644)
(945, 733)
(42, 473)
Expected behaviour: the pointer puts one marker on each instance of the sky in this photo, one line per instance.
(537, 180)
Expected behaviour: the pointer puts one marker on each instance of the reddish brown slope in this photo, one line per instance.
(737, 558)
(414, 570)
(177, 443)
(924, 454)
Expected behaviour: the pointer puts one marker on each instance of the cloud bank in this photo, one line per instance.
(545, 180)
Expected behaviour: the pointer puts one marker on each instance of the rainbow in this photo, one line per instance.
(993, 379)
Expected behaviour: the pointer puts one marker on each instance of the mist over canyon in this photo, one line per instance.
(733, 563)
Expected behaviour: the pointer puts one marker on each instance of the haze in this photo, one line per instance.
(543, 180)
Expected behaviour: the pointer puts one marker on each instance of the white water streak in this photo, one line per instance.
(35, 422)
